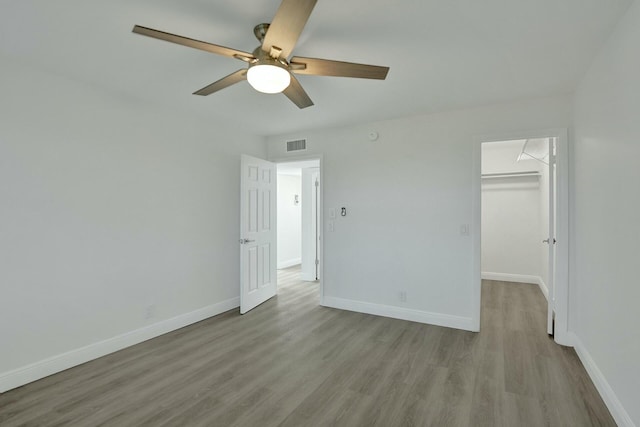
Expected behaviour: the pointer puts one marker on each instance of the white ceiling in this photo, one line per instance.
(443, 54)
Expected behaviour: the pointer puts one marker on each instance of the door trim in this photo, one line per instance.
(561, 292)
(320, 208)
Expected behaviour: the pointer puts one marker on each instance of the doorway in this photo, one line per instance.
(298, 225)
(517, 219)
(521, 222)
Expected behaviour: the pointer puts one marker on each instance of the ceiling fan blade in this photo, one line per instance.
(185, 41)
(224, 82)
(326, 67)
(286, 26)
(297, 95)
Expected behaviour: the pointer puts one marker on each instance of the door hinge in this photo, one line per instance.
(317, 262)
(317, 184)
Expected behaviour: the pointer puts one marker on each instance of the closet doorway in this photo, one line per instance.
(520, 223)
(518, 217)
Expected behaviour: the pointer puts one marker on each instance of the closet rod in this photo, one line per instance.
(510, 174)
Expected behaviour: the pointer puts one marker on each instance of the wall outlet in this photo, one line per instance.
(330, 226)
(150, 311)
(403, 296)
(464, 230)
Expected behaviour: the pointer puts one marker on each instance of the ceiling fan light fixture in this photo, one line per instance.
(268, 78)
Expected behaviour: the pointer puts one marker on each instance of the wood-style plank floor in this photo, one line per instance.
(291, 362)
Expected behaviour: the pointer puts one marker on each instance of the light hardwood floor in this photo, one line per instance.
(291, 362)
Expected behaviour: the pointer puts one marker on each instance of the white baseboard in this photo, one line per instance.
(60, 362)
(447, 320)
(620, 415)
(289, 263)
(543, 288)
(518, 278)
(307, 277)
(508, 277)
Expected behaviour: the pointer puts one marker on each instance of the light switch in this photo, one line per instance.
(464, 230)
(330, 224)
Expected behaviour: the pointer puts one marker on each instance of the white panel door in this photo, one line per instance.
(551, 240)
(257, 232)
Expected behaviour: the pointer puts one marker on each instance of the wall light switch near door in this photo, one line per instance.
(464, 230)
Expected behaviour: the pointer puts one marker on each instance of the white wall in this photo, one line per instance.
(108, 206)
(289, 220)
(606, 230)
(511, 215)
(502, 157)
(407, 194)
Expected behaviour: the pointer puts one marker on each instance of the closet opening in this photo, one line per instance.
(518, 232)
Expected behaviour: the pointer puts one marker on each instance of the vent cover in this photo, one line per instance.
(297, 145)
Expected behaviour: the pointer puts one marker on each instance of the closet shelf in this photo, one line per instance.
(510, 174)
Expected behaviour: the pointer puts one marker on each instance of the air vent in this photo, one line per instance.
(297, 145)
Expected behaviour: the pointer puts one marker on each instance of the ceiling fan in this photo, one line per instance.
(269, 69)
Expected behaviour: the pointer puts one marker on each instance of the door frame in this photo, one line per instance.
(300, 158)
(561, 282)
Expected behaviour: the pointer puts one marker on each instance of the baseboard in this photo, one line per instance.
(518, 278)
(289, 263)
(620, 415)
(447, 320)
(58, 363)
(307, 277)
(508, 277)
(543, 288)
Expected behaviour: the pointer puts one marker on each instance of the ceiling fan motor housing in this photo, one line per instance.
(260, 31)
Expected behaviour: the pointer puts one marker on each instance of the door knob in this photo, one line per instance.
(547, 241)
(243, 241)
